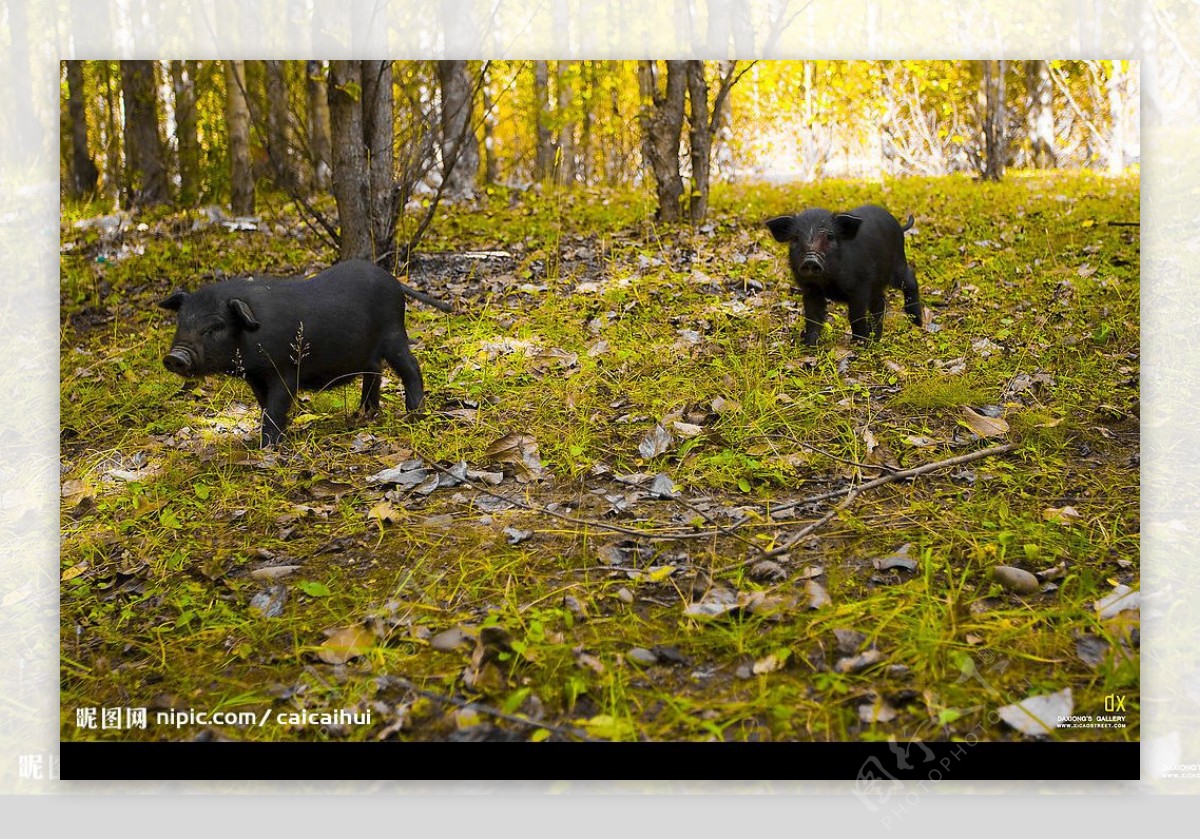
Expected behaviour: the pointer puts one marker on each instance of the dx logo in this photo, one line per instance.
(1114, 702)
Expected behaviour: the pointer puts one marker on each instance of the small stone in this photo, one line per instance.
(448, 640)
(624, 596)
(1015, 580)
(575, 606)
(273, 572)
(817, 596)
(1091, 649)
(269, 603)
(878, 712)
(642, 656)
(768, 570)
(852, 665)
(848, 641)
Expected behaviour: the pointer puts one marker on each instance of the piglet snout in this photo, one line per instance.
(812, 264)
(179, 360)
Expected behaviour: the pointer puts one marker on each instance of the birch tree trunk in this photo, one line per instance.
(183, 83)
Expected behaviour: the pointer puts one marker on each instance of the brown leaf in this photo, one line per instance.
(344, 644)
(521, 451)
(73, 490)
(385, 513)
(1063, 515)
(657, 442)
(983, 426)
(899, 559)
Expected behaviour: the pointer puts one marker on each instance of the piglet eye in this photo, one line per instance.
(214, 329)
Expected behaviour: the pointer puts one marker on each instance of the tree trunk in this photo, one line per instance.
(1116, 109)
(237, 116)
(183, 81)
(318, 126)
(460, 148)
(279, 129)
(614, 158)
(491, 163)
(1040, 118)
(662, 122)
(544, 155)
(84, 174)
(145, 168)
(350, 184)
(588, 76)
(721, 122)
(995, 142)
(699, 140)
(377, 107)
(112, 138)
(566, 133)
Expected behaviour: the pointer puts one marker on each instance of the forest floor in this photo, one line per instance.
(623, 513)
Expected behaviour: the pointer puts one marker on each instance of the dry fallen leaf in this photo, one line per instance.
(717, 601)
(1038, 715)
(1063, 515)
(1122, 598)
(982, 425)
(656, 443)
(898, 559)
(344, 644)
(519, 450)
(772, 662)
(385, 513)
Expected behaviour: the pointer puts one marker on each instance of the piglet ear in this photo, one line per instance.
(783, 228)
(174, 301)
(845, 225)
(244, 314)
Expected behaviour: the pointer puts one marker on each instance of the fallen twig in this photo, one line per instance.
(858, 489)
(894, 476)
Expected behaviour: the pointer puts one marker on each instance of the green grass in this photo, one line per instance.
(1023, 279)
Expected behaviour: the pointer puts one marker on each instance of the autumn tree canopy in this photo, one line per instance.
(214, 132)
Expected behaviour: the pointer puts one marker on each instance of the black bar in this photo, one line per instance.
(875, 763)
